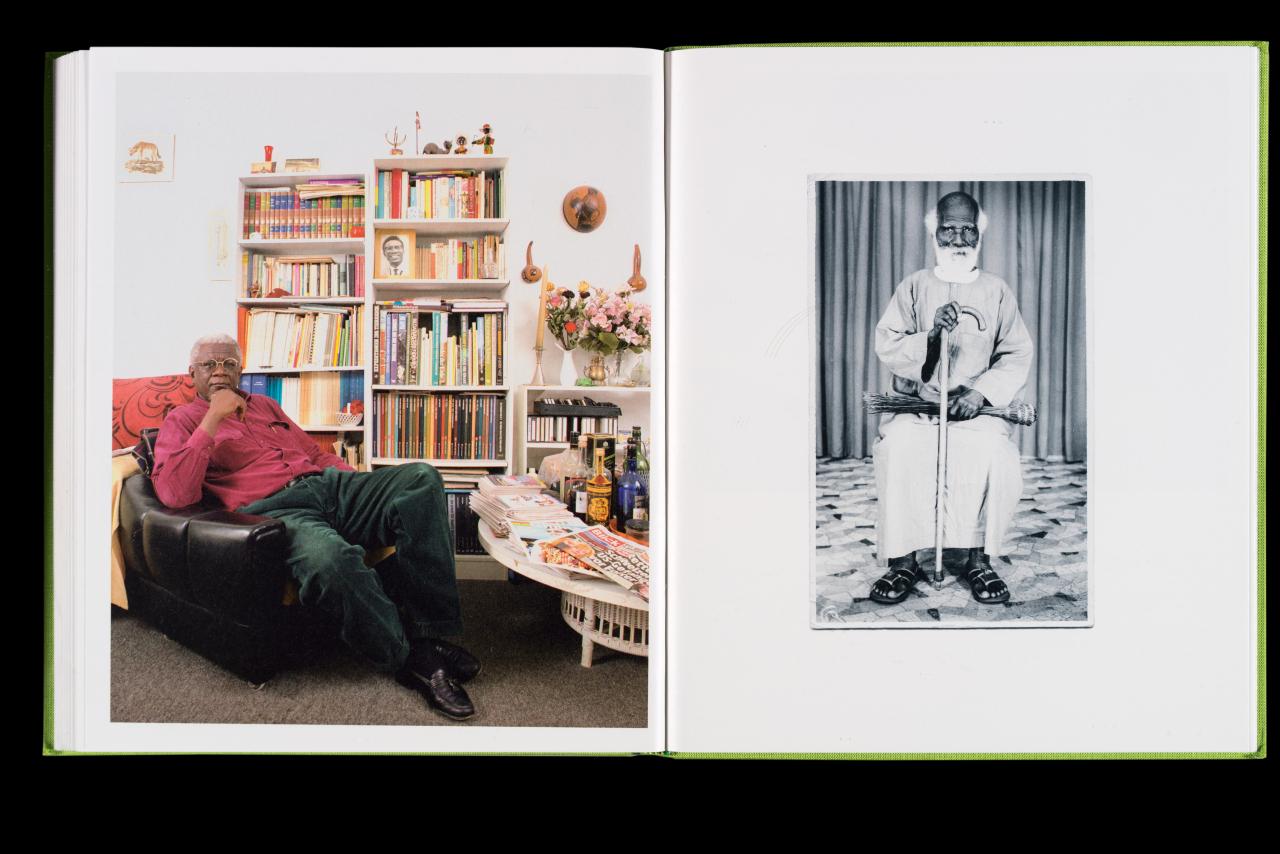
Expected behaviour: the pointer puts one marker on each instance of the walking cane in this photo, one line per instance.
(944, 359)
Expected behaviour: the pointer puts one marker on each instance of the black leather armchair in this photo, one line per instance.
(215, 581)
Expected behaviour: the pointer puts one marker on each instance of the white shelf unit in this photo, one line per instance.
(293, 301)
(441, 464)
(474, 389)
(309, 369)
(632, 400)
(379, 288)
(297, 247)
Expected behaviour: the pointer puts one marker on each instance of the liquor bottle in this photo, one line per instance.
(638, 525)
(599, 492)
(629, 486)
(577, 491)
(642, 458)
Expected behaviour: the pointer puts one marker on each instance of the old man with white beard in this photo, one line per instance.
(985, 367)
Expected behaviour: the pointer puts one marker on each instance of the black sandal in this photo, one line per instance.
(985, 586)
(896, 584)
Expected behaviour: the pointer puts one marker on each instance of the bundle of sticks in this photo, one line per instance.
(1019, 412)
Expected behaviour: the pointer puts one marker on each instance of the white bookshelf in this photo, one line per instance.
(445, 227)
(294, 247)
(382, 289)
(441, 464)
(294, 301)
(634, 401)
(306, 369)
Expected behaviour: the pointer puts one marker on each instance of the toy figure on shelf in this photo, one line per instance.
(432, 148)
(266, 164)
(394, 139)
(461, 145)
(417, 126)
(485, 139)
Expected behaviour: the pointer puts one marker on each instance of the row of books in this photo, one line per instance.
(309, 399)
(302, 276)
(463, 426)
(556, 428)
(443, 194)
(281, 213)
(415, 346)
(458, 258)
(464, 531)
(305, 336)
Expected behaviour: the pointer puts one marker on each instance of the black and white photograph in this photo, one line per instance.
(950, 403)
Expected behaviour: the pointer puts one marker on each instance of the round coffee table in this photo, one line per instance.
(599, 610)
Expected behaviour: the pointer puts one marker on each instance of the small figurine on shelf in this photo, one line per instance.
(417, 126)
(432, 148)
(461, 145)
(394, 139)
(485, 139)
(265, 165)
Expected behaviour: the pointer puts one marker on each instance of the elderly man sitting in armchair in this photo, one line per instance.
(245, 453)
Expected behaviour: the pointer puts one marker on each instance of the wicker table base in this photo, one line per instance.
(612, 626)
(599, 610)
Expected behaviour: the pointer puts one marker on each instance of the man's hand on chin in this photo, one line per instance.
(223, 402)
(965, 404)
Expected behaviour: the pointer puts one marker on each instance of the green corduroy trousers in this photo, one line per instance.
(330, 520)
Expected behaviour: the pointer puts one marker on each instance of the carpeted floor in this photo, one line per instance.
(531, 676)
(1045, 562)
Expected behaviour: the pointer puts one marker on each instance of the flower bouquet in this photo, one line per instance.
(565, 316)
(615, 325)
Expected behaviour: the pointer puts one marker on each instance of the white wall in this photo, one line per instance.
(559, 130)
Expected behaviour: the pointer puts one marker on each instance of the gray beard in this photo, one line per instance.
(957, 262)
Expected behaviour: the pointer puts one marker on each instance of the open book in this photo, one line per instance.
(777, 203)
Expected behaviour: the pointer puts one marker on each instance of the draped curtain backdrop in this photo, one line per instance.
(871, 236)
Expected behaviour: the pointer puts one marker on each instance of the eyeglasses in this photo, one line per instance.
(950, 232)
(230, 365)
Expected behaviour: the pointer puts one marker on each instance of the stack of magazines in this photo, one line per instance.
(499, 511)
(511, 484)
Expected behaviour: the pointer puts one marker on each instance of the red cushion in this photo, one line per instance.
(137, 404)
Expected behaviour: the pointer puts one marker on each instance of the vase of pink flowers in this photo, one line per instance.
(615, 325)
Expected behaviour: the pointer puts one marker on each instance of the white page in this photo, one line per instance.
(126, 223)
(1168, 140)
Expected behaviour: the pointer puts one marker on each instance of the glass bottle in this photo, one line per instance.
(638, 525)
(577, 491)
(629, 486)
(642, 458)
(556, 466)
(599, 492)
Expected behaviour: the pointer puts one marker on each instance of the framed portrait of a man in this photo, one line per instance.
(395, 254)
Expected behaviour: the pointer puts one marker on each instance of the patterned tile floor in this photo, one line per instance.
(1045, 564)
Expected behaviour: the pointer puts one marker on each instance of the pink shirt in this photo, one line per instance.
(247, 460)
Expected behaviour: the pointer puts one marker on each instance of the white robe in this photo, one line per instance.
(984, 471)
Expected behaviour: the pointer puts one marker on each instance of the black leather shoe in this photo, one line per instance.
(461, 664)
(442, 692)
